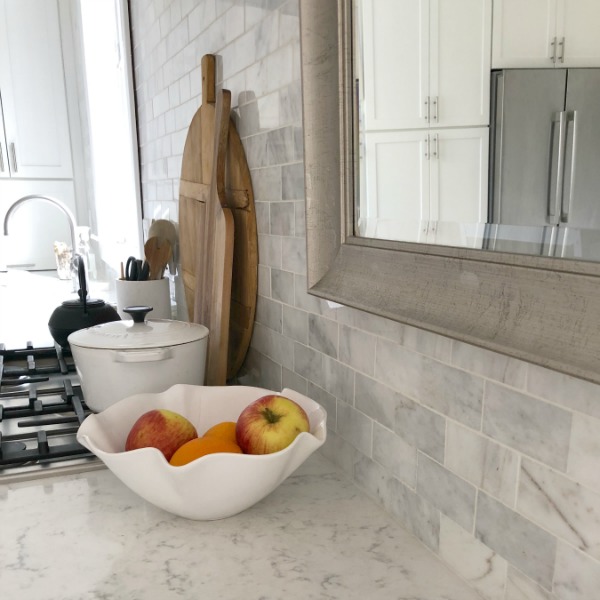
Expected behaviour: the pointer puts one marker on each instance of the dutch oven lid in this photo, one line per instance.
(138, 333)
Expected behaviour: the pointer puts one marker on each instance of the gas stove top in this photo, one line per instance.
(41, 408)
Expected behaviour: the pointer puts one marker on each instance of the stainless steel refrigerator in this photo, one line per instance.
(544, 195)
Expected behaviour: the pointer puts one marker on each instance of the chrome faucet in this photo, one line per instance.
(57, 203)
(65, 210)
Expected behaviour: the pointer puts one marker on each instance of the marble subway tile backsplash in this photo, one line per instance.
(491, 467)
(534, 427)
(517, 539)
(561, 506)
(492, 462)
(448, 492)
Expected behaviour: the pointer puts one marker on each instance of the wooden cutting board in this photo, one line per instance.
(217, 232)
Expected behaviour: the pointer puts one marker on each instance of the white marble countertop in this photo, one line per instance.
(317, 536)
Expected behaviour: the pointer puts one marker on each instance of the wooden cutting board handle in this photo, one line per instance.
(213, 279)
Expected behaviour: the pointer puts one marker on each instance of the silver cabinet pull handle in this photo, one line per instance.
(1, 160)
(13, 151)
(427, 147)
(553, 50)
(561, 55)
(426, 115)
(435, 153)
(436, 106)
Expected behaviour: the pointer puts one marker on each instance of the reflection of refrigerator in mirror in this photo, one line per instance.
(544, 163)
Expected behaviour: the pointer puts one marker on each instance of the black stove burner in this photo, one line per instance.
(41, 407)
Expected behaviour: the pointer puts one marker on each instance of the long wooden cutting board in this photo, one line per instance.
(217, 232)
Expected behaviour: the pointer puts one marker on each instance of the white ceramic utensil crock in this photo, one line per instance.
(118, 359)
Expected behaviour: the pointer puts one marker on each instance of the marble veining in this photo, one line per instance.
(317, 536)
(477, 563)
(560, 505)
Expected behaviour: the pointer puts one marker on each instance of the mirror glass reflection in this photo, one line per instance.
(474, 130)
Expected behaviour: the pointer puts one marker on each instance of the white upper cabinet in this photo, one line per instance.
(426, 63)
(579, 23)
(459, 62)
(395, 63)
(32, 87)
(546, 33)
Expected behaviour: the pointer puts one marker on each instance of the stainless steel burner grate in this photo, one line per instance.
(41, 408)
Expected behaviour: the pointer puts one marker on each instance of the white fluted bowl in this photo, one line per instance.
(214, 486)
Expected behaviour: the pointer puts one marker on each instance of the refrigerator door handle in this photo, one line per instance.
(556, 164)
(496, 146)
(569, 178)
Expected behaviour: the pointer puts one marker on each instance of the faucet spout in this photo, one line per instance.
(63, 207)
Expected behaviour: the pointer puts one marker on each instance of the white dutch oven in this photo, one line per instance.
(115, 360)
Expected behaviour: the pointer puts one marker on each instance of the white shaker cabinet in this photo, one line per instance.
(36, 141)
(546, 33)
(426, 186)
(426, 63)
(396, 203)
(459, 186)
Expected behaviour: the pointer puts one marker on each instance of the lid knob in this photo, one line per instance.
(138, 313)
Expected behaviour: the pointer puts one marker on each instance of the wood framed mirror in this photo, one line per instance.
(542, 310)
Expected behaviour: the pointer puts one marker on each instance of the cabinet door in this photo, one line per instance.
(395, 63)
(579, 27)
(33, 90)
(459, 174)
(460, 55)
(397, 173)
(523, 33)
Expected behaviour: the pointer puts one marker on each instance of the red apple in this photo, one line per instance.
(162, 429)
(270, 424)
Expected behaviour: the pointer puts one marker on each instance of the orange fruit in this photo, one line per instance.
(224, 430)
(201, 447)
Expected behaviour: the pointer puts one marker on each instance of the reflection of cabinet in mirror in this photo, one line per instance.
(427, 186)
(546, 33)
(424, 101)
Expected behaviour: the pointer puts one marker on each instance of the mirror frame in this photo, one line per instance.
(542, 310)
